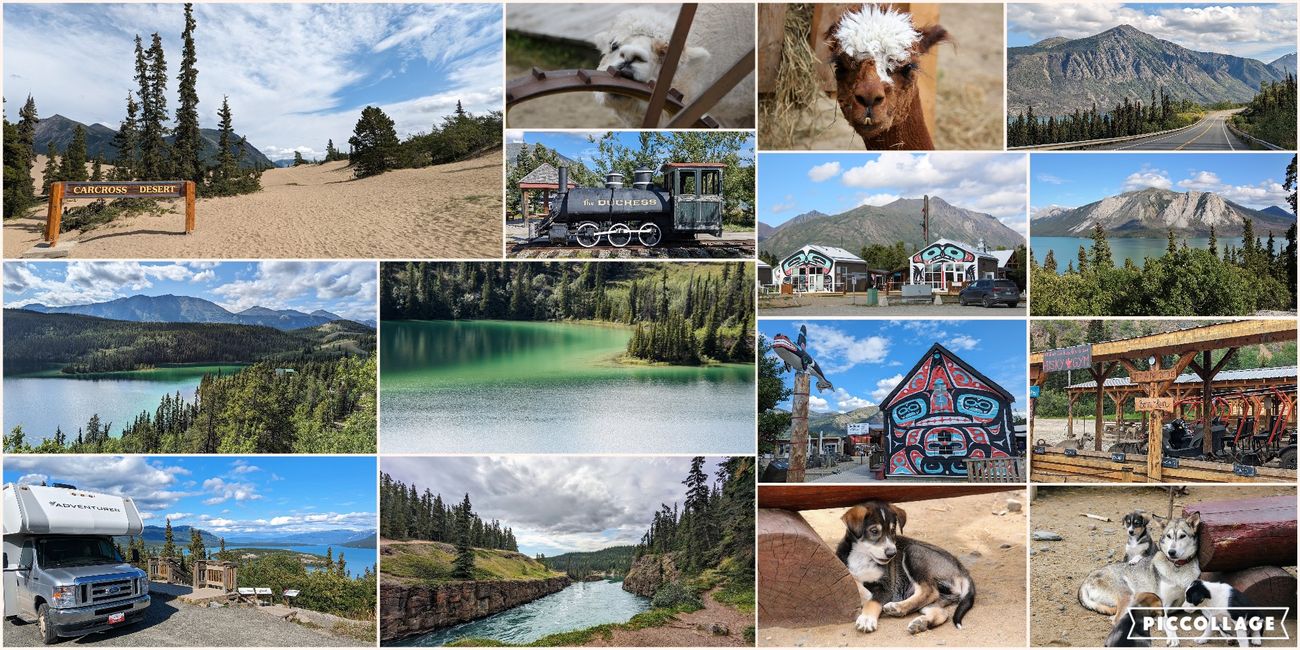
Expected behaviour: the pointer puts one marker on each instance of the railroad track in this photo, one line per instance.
(705, 249)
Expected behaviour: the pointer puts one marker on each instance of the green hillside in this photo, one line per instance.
(432, 562)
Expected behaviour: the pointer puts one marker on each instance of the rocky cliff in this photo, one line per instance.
(409, 609)
(1152, 212)
(650, 572)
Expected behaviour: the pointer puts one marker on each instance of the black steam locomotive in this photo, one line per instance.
(688, 202)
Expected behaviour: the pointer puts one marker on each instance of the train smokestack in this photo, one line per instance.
(642, 179)
(563, 180)
(613, 181)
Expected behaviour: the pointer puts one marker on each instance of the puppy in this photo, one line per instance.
(898, 575)
(1231, 608)
(1139, 544)
(1119, 635)
(637, 42)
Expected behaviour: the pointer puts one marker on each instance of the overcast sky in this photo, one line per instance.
(556, 504)
(344, 288)
(1258, 31)
(296, 74)
(790, 184)
(224, 496)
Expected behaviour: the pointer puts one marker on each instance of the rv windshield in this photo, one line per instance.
(55, 552)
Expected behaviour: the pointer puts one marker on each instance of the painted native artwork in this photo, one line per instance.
(942, 253)
(942, 413)
(796, 357)
(807, 258)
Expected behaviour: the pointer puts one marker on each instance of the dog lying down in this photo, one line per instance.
(637, 41)
(899, 576)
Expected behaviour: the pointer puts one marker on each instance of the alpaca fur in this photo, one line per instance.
(637, 41)
(875, 53)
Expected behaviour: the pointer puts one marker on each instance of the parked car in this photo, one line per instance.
(989, 292)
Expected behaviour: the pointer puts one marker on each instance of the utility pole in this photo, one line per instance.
(925, 221)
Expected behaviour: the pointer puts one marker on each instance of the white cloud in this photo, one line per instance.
(961, 342)
(884, 387)
(818, 403)
(845, 401)
(178, 516)
(879, 199)
(223, 490)
(1267, 192)
(346, 288)
(152, 484)
(1147, 177)
(206, 275)
(1257, 31)
(838, 351)
(990, 183)
(785, 205)
(241, 466)
(824, 171)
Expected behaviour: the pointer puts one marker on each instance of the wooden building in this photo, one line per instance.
(821, 269)
(948, 266)
(540, 185)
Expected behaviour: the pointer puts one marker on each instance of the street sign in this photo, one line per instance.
(858, 429)
(1034, 391)
(1073, 358)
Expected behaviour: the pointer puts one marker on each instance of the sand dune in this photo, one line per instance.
(311, 211)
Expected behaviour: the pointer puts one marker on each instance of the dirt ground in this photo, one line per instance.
(968, 106)
(991, 546)
(1057, 568)
(310, 211)
(691, 630)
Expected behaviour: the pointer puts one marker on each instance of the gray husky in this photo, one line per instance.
(1168, 573)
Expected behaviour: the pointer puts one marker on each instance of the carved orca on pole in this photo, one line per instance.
(796, 357)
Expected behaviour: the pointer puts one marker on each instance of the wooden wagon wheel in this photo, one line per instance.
(659, 96)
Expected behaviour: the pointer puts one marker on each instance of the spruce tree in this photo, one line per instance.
(1101, 258)
(18, 195)
(463, 567)
(374, 143)
(51, 172)
(298, 159)
(125, 142)
(73, 165)
(154, 155)
(96, 171)
(223, 176)
(188, 141)
(197, 549)
(169, 543)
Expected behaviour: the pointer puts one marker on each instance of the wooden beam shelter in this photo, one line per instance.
(1206, 337)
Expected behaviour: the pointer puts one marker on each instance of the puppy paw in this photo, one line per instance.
(1201, 640)
(918, 625)
(891, 609)
(1173, 643)
(866, 623)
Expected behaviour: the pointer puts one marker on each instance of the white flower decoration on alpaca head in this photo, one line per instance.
(882, 35)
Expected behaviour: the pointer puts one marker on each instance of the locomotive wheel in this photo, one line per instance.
(587, 233)
(650, 235)
(619, 235)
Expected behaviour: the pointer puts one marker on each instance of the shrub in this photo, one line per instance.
(676, 595)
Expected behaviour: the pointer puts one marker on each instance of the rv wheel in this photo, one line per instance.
(587, 234)
(48, 636)
(650, 235)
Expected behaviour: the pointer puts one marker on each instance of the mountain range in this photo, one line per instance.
(887, 225)
(832, 423)
(156, 535)
(1151, 212)
(99, 141)
(188, 309)
(1058, 75)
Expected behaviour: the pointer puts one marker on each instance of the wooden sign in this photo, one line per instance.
(1154, 403)
(1075, 358)
(114, 190)
(1150, 376)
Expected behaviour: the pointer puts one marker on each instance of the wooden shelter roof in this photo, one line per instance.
(1206, 337)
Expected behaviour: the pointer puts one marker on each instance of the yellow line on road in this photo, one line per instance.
(1208, 126)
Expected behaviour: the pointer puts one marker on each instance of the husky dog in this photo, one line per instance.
(898, 575)
(1218, 600)
(1119, 635)
(1167, 573)
(1139, 543)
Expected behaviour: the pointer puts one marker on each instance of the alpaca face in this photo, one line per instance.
(875, 61)
(637, 57)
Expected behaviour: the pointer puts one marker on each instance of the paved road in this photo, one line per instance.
(1210, 134)
(170, 623)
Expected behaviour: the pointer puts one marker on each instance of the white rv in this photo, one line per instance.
(61, 569)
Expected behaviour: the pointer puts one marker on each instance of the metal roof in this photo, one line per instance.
(1189, 378)
(837, 254)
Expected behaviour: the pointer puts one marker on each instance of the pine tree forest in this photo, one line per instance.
(684, 314)
(1129, 117)
(406, 513)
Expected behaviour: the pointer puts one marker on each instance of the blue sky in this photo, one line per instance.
(297, 74)
(790, 184)
(556, 504)
(344, 288)
(226, 496)
(866, 359)
(1258, 31)
(577, 146)
(1074, 179)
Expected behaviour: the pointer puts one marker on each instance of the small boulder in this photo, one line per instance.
(1046, 536)
(1013, 505)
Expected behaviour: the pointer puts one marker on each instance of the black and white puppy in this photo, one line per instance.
(1231, 608)
(1139, 544)
(897, 575)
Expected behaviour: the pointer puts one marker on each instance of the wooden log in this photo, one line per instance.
(190, 191)
(1264, 586)
(800, 581)
(771, 40)
(54, 214)
(1243, 533)
(819, 497)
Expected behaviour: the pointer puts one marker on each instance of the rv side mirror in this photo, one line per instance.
(135, 556)
(5, 561)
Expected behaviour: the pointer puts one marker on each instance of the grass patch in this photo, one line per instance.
(737, 595)
(525, 51)
(479, 197)
(432, 562)
(100, 212)
(750, 635)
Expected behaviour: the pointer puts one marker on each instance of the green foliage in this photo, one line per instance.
(675, 594)
(126, 142)
(151, 77)
(227, 177)
(53, 171)
(298, 159)
(331, 592)
(73, 165)
(772, 391)
(878, 256)
(614, 560)
(1124, 119)
(408, 514)
(374, 143)
(102, 211)
(19, 155)
(529, 158)
(434, 562)
(1271, 114)
(187, 142)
